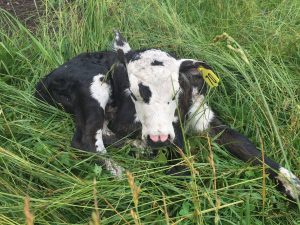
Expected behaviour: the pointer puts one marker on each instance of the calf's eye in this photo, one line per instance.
(145, 92)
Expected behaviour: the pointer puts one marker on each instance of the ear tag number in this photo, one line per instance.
(209, 76)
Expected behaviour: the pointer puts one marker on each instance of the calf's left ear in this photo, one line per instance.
(190, 66)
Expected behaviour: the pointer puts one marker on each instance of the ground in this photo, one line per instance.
(26, 10)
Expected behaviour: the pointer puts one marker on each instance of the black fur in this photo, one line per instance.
(157, 63)
(145, 92)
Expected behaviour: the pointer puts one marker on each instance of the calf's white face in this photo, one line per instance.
(154, 88)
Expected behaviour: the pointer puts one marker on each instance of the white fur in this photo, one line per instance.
(142, 145)
(106, 131)
(199, 113)
(101, 92)
(99, 142)
(114, 168)
(125, 48)
(139, 144)
(136, 119)
(290, 182)
(193, 60)
(157, 116)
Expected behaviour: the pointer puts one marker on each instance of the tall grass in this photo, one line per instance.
(260, 99)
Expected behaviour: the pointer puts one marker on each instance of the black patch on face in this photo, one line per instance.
(157, 63)
(145, 92)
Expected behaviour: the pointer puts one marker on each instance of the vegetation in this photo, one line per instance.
(258, 95)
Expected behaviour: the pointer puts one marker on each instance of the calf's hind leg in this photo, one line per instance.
(202, 118)
(241, 147)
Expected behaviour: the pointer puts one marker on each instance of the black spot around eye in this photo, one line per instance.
(145, 92)
(157, 63)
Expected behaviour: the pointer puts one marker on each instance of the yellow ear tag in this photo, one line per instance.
(209, 76)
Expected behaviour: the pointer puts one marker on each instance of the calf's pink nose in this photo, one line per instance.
(156, 138)
(163, 138)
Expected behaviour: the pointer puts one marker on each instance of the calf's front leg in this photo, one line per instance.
(90, 120)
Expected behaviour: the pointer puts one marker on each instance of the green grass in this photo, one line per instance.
(260, 99)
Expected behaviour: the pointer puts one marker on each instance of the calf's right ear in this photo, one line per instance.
(123, 49)
(124, 52)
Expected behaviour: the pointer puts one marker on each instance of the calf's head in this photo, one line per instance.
(160, 87)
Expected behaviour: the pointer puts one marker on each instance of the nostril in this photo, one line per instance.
(154, 138)
(163, 137)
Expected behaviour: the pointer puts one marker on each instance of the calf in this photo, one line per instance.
(147, 95)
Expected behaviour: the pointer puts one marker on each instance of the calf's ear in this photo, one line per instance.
(190, 66)
(121, 46)
(120, 43)
(199, 74)
(123, 49)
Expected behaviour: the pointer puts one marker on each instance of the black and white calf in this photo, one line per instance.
(146, 95)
